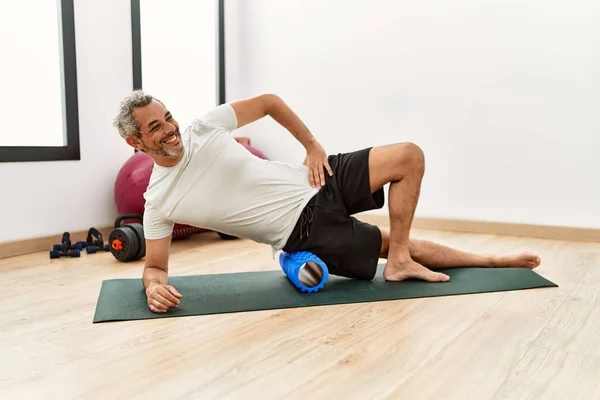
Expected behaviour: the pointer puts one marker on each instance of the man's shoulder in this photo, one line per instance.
(219, 117)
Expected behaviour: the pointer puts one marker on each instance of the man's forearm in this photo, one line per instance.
(153, 275)
(284, 115)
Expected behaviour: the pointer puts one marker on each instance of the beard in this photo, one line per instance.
(163, 151)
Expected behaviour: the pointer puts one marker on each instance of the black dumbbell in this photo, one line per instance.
(69, 253)
(67, 242)
(127, 242)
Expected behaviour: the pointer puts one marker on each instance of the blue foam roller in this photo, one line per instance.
(297, 269)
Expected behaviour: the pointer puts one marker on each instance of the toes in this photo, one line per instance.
(439, 277)
(431, 276)
(535, 261)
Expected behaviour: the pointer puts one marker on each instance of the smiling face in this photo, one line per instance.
(159, 134)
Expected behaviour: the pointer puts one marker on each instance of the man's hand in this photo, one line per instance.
(316, 161)
(162, 297)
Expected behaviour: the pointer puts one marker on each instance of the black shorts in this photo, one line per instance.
(349, 247)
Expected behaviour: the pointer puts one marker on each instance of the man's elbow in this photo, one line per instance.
(270, 102)
(269, 97)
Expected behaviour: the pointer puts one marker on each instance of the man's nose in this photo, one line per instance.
(170, 128)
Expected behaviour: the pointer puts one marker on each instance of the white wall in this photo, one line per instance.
(46, 198)
(502, 96)
(179, 59)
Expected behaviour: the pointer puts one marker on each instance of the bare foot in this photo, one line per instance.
(523, 260)
(399, 271)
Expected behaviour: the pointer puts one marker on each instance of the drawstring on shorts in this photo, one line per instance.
(306, 220)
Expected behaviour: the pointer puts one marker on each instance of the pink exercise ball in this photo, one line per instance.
(132, 181)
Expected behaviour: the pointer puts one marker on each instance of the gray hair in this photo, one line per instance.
(124, 121)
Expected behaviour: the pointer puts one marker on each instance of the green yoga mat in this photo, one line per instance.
(124, 299)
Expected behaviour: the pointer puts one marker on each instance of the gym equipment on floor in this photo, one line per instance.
(305, 270)
(95, 242)
(125, 299)
(127, 241)
(66, 248)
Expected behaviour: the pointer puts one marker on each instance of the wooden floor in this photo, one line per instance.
(532, 344)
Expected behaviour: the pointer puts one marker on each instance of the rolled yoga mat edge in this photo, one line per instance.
(125, 299)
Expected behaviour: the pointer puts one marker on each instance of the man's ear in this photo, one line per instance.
(134, 142)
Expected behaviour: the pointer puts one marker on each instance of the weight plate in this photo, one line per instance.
(139, 229)
(124, 244)
(136, 242)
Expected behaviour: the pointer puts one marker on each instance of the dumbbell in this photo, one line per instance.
(69, 253)
(78, 245)
(97, 244)
(127, 242)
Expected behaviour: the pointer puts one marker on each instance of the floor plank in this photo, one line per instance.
(25, 359)
(493, 346)
(554, 375)
(575, 326)
(518, 344)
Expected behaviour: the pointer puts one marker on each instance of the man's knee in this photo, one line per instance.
(394, 162)
(411, 156)
(415, 249)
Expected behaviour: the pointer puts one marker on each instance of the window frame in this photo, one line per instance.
(137, 48)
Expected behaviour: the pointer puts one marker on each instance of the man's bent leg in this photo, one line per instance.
(433, 255)
(402, 165)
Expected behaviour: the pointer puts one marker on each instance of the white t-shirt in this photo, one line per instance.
(219, 185)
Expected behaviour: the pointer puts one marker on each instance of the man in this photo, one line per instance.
(203, 177)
